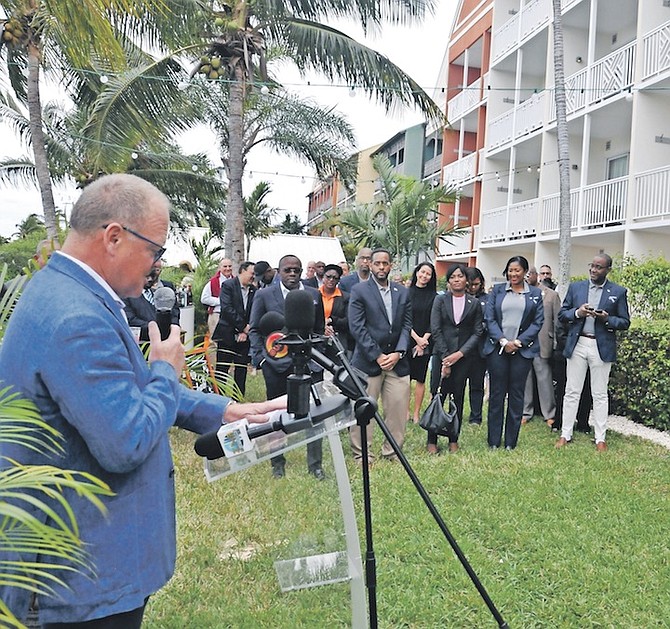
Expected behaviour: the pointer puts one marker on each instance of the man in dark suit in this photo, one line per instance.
(232, 331)
(593, 309)
(276, 368)
(380, 320)
(140, 310)
(362, 271)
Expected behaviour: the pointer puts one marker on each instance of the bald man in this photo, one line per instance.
(69, 349)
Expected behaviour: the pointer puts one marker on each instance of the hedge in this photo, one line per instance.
(640, 379)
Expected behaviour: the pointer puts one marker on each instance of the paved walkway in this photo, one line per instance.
(628, 427)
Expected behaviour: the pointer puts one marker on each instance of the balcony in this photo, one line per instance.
(652, 195)
(457, 246)
(603, 204)
(460, 171)
(519, 121)
(656, 51)
(522, 25)
(608, 76)
(464, 101)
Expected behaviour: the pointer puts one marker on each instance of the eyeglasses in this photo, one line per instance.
(365, 257)
(597, 267)
(331, 277)
(158, 254)
(292, 269)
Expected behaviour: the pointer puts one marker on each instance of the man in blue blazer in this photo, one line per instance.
(593, 309)
(276, 368)
(380, 320)
(69, 349)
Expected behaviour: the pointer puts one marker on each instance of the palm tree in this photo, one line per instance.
(30, 225)
(563, 140)
(291, 225)
(405, 218)
(258, 215)
(245, 31)
(65, 35)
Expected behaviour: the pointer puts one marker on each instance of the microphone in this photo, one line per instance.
(211, 447)
(299, 313)
(164, 300)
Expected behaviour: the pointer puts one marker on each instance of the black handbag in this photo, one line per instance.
(435, 419)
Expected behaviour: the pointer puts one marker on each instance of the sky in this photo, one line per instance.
(418, 50)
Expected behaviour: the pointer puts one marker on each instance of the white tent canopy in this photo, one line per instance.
(317, 248)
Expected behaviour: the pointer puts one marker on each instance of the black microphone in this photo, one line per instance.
(270, 322)
(299, 313)
(164, 300)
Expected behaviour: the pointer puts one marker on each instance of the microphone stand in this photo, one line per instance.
(365, 408)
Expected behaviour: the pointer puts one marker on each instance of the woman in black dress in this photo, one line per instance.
(422, 291)
(477, 288)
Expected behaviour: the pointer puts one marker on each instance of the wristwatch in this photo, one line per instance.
(402, 354)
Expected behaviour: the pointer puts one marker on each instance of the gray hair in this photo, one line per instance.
(121, 198)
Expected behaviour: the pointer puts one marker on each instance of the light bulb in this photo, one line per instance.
(104, 79)
(134, 155)
(265, 90)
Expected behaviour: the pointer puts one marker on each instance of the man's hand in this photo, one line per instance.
(254, 412)
(585, 310)
(388, 361)
(170, 350)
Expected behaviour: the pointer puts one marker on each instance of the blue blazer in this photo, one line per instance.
(613, 300)
(77, 360)
(373, 334)
(531, 321)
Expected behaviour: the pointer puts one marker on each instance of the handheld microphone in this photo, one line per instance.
(164, 300)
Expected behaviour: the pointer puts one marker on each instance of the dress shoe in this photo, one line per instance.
(318, 473)
(601, 446)
(475, 422)
(278, 471)
(562, 442)
(431, 448)
(453, 447)
(493, 447)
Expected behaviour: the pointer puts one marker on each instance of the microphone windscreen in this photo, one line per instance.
(299, 312)
(164, 298)
(270, 322)
(209, 446)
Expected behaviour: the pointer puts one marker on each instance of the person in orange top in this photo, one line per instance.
(335, 305)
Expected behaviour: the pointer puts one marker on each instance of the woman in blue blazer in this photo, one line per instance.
(514, 316)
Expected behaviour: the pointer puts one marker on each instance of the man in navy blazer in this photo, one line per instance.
(276, 368)
(113, 409)
(380, 320)
(594, 310)
(232, 331)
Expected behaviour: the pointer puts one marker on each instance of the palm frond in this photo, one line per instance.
(17, 172)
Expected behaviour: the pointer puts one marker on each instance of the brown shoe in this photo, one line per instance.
(453, 447)
(601, 446)
(431, 448)
(562, 442)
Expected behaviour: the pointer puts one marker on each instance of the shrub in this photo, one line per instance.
(640, 378)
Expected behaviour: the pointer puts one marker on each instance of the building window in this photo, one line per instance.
(617, 166)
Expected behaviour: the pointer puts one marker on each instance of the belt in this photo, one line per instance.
(588, 336)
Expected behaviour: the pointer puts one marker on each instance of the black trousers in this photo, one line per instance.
(455, 384)
(237, 356)
(275, 385)
(124, 620)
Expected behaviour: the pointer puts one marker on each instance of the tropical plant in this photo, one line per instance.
(240, 34)
(67, 36)
(404, 219)
(43, 489)
(258, 215)
(291, 225)
(29, 226)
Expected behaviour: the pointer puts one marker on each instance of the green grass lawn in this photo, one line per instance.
(559, 538)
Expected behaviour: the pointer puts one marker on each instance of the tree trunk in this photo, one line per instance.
(38, 142)
(234, 241)
(563, 140)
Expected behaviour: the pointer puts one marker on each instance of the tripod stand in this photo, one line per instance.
(365, 409)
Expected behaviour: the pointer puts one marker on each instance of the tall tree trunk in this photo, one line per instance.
(563, 140)
(234, 241)
(38, 142)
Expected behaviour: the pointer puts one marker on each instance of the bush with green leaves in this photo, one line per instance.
(640, 378)
(647, 281)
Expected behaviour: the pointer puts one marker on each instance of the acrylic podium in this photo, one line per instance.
(335, 414)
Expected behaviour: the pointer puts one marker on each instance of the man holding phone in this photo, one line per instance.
(593, 309)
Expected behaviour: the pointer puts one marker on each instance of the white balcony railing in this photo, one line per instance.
(499, 131)
(656, 51)
(608, 76)
(457, 245)
(505, 38)
(534, 15)
(464, 101)
(530, 114)
(652, 194)
(529, 20)
(602, 205)
(460, 171)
